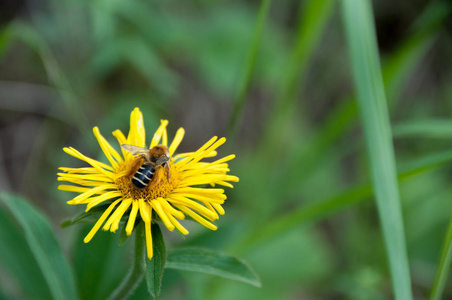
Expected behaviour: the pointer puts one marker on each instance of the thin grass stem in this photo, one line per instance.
(443, 266)
(241, 97)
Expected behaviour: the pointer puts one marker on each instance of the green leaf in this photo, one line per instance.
(212, 262)
(86, 217)
(363, 50)
(18, 261)
(99, 265)
(44, 246)
(156, 266)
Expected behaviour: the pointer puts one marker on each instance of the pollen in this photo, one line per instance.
(160, 186)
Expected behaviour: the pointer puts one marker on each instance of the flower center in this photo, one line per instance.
(159, 186)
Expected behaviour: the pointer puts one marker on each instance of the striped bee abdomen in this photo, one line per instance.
(143, 176)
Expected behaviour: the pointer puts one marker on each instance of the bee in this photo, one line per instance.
(146, 163)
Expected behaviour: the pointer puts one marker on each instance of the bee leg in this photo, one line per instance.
(134, 166)
(168, 169)
(156, 178)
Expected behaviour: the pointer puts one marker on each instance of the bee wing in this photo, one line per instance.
(134, 149)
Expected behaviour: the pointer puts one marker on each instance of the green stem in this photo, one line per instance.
(443, 267)
(131, 281)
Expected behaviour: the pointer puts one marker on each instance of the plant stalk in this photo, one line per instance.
(136, 274)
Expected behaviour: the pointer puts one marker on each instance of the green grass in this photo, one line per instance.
(443, 267)
(364, 57)
(313, 17)
(245, 83)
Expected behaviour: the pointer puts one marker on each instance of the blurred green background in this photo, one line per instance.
(302, 215)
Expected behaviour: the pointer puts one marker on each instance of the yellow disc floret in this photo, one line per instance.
(162, 188)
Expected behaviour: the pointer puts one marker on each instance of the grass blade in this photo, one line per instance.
(240, 99)
(363, 49)
(400, 65)
(313, 16)
(428, 128)
(56, 76)
(443, 267)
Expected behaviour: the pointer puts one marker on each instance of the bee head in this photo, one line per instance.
(160, 155)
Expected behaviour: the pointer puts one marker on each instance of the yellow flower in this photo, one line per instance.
(173, 197)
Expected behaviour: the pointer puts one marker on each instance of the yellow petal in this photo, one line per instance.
(137, 132)
(158, 134)
(165, 137)
(144, 211)
(79, 170)
(224, 183)
(149, 249)
(97, 200)
(90, 192)
(117, 214)
(224, 159)
(132, 217)
(181, 200)
(111, 154)
(201, 191)
(122, 140)
(196, 217)
(101, 167)
(210, 207)
(207, 179)
(73, 188)
(117, 218)
(198, 156)
(162, 214)
(177, 140)
(171, 210)
(99, 222)
(187, 154)
(75, 178)
(218, 208)
(199, 151)
(82, 182)
(178, 226)
(205, 198)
